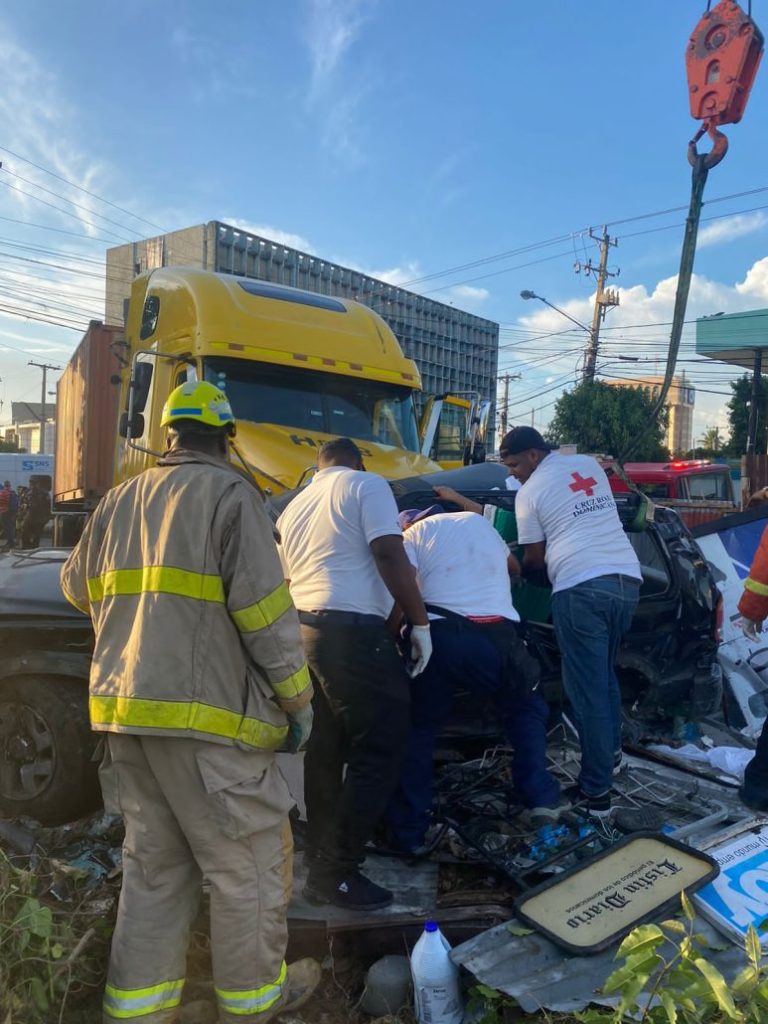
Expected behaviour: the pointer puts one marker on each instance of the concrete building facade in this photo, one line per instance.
(681, 402)
(26, 424)
(455, 351)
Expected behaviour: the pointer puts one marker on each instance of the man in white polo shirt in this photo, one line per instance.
(342, 553)
(463, 570)
(567, 520)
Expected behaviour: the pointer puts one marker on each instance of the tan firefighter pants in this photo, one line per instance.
(197, 810)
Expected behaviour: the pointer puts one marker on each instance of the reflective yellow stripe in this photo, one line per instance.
(254, 1000)
(264, 612)
(157, 579)
(293, 685)
(185, 715)
(756, 587)
(128, 1003)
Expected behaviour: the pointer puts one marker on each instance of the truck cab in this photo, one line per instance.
(298, 367)
(454, 428)
(699, 490)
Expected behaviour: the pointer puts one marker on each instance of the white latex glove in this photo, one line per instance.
(751, 628)
(421, 650)
(299, 728)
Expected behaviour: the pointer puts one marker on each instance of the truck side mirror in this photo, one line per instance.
(136, 425)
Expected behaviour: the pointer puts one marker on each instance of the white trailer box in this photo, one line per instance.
(19, 467)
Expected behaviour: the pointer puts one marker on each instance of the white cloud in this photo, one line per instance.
(64, 285)
(467, 293)
(332, 27)
(729, 228)
(652, 309)
(278, 235)
(397, 276)
(34, 119)
(755, 284)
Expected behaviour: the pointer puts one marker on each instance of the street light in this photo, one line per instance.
(527, 294)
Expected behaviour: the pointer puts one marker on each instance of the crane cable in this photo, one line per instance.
(721, 37)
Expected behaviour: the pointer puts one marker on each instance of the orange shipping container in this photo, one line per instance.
(86, 420)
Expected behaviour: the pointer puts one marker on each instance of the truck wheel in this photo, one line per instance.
(46, 745)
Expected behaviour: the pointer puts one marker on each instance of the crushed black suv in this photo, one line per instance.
(46, 744)
(667, 664)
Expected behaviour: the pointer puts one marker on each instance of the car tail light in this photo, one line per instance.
(717, 630)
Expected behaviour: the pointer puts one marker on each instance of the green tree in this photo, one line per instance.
(711, 440)
(738, 415)
(604, 419)
(9, 446)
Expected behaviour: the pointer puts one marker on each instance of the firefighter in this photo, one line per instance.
(198, 676)
(753, 606)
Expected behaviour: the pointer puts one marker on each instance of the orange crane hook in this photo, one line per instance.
(721, 61)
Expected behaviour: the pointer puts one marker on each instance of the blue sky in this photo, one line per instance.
(401, 138)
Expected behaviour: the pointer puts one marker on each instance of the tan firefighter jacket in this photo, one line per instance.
(196, 634)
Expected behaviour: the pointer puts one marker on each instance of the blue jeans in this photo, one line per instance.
(467, 659)
(590, 619)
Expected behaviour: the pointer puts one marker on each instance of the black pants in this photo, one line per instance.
(362, 720)
(756, 772)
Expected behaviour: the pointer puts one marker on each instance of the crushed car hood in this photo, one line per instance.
(29, 585)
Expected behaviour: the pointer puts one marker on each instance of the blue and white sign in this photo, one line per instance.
(44, 464)
(738, 897)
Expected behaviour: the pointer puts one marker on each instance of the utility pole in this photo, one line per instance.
(604, 299)
(755, 402)
(504, 415)
(45, 367)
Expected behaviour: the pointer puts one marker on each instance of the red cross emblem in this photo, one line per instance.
(581, 484)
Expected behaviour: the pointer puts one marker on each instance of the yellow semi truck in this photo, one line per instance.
(298, 367)
(454, 429)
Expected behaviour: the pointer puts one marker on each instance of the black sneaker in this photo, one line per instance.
(592, 806)
(618, 762)
(348, 889)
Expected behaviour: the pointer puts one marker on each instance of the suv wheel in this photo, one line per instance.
(46, 746)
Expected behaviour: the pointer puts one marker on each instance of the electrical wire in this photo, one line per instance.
(81, 188)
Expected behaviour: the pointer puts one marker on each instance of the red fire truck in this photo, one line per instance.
(698, 489)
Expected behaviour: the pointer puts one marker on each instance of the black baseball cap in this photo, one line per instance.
(520, 439)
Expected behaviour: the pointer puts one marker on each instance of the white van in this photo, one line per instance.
(19, 467)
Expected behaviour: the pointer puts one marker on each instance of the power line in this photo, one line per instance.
(59, 209)
(57, 195)
(81, 188)
(481, 261)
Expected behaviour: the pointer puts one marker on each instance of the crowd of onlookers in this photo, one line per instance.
(23, 514)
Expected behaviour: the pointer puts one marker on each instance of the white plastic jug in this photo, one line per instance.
(435, 979)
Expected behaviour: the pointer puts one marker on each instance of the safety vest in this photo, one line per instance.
(754, 601)
(195, 630)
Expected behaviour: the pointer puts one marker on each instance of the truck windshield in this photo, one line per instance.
(311, 400)
(709, 487)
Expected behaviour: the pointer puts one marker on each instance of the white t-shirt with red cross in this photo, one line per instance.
(567, 502)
